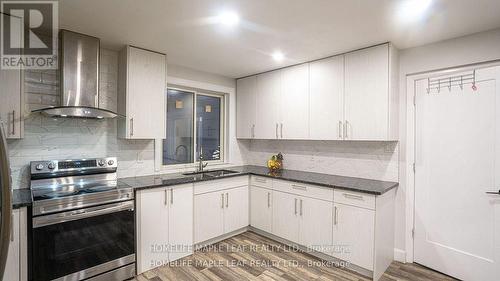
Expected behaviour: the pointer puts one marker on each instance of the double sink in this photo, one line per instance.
(212, 173)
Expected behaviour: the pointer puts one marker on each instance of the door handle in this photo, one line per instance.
(227, 200)
(277, 131)
(340, 129)
(269, 199)
(222, 200)
(171, 196)
(301, 207)
(131, 126)
(346, 129)
(493, 192)
(13, 122)
(253, 131)
(166, 197)
(295, 212)
(335, 215)
(281, 130)
(12, 228)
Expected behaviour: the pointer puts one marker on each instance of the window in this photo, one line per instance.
(194, 125)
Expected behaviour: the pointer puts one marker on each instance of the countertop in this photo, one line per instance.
(22, 197)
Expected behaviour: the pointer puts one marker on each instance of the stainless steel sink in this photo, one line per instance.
(212, 173)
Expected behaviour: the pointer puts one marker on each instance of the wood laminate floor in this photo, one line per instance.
(249, 256)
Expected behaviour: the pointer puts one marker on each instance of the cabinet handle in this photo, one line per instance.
(260, 180)
(340, 129)
(277, 131)
(335, 216)
(281, 129)
(253, 131)
(352, 196)
(166, 197)
(294, 186)
(12, 227)
(222, 200)
(13, 122)
(346, 136)
(269, 199)
(301, 207)
(295, 212)
(171, 196)
(227, 200)
(131, 126)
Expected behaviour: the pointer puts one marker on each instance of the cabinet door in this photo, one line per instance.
(353, 235)
(146, 94)
(245, 107)
(294, 102)
(286, 216)
(12, 267)
(180, 218)
(268, 105)
(326, 95)
(367, 94)
(261, 212)
(316, 224)
(236, 209)
(11, 94)
(208, 216)
(152, 228)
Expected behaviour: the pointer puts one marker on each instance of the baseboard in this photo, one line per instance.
(399, 255)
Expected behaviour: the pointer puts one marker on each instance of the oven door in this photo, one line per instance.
(83, 243)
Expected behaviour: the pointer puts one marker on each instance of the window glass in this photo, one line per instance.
(208, 131)
(178, 147)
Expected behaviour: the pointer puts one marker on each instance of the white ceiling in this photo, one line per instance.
(302, 29)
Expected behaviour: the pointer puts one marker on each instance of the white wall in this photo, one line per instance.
(471, 49)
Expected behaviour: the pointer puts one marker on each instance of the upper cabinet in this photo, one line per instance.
(347, 97)
(141, 94)
(11, 95)
(245, 106)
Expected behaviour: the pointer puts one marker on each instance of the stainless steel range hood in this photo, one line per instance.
(79, 66)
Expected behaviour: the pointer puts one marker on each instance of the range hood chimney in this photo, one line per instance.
(79, 67)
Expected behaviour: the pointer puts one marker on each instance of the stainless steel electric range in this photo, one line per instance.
(82, 221)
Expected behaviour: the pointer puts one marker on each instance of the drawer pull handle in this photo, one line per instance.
(352, 196)
(294, 186)
(260, 180)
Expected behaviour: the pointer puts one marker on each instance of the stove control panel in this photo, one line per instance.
(54, 168)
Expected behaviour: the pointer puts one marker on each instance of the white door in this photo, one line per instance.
(316, 224)
(294, 102)
(261, 212)
(354, 234)
(457, 225)
(326, 99)
(180, 218)
(235, 209)
(146, 94)
(208, 216)
(286, 216)
(268, 105)
(152, 228)
(367, 94)
(245, 106)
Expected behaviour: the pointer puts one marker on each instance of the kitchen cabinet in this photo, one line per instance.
(294, 104)
(246, 107)
(16, 268)
(164, 225)
(286, 216)
(326, 94)
(12, 95)
(268, 107)
(220, 207)
(316, 224)
(261, 211)
(371, 94)
(141, 94)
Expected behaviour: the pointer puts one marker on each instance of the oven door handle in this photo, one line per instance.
(82, 213)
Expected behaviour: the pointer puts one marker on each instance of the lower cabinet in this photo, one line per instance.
(164, 225)
(285, 216)
(261, 211)
(221, 210)
(16, 268)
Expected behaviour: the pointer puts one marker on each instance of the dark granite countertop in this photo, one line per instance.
(374, 187)
(21, 198)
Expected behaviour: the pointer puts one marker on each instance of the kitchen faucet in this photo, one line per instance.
(201, 165)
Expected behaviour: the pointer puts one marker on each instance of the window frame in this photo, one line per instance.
(223, 127)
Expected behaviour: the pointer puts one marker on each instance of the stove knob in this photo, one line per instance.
(101, 162)
(111, 162)
(39, 167)
(51, 166)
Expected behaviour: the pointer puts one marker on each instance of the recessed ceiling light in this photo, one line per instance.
(413, 10)
(228, 18)
(278, 56)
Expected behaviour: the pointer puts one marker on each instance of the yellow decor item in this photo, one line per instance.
(275, 163)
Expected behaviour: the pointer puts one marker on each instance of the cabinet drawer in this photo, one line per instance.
(307, 190)
(352, 198)
(216, 185)
(261, 181)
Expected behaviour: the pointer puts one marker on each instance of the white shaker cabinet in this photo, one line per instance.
(286, 216)
(208, 216)
(316, 224)
(16, 268)
(326, 95)
(164, 225)
(371, 94)
(246, 107)
(294, 104)
(236, 209)
(261, 211)
(141, 94)
(267, 122)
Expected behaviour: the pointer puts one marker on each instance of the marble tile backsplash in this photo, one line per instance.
(372, 160)
(66, 138)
